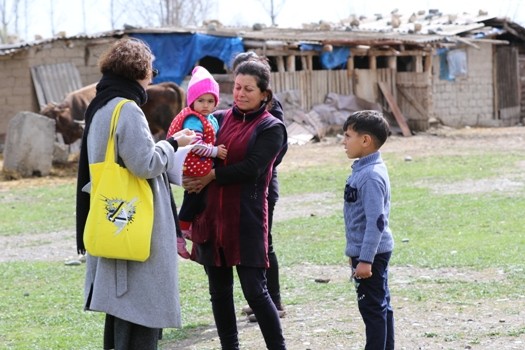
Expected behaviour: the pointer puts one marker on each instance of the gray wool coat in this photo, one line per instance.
(144, 293)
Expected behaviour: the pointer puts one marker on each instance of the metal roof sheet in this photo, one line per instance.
(432, 28)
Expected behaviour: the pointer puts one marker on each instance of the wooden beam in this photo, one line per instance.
(395, 109)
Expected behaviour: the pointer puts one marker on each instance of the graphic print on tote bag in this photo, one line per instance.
(120, 212)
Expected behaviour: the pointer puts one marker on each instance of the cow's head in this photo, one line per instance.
(70, 129)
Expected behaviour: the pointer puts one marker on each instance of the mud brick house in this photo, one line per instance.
(463, 70)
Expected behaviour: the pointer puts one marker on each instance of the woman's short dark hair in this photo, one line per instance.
(260, 71)
(369, 122)
(129, 58)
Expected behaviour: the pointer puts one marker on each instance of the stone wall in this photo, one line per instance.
(469, 100)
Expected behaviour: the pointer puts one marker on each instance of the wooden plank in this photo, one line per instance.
(395, 109)
(417, 106)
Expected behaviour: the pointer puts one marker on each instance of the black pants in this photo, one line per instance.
(123, 335)
(373, 299)
(272, 274)
(253, 283)
(192, 204)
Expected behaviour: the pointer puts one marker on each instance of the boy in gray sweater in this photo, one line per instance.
(369, 241)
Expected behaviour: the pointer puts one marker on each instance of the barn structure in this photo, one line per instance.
(458, 70)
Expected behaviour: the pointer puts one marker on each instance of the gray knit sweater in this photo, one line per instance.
(367, 209)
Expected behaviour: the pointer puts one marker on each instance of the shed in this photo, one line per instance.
(462, 71)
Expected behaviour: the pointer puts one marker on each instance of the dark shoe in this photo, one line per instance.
(252, 317)
(247, 310)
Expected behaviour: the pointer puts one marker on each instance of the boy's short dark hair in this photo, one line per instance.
(369, 122)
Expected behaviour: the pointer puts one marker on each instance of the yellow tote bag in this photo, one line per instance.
(120, 218)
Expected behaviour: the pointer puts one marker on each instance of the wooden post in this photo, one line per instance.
(392, 62)
(428, 63)
(290, 63)
(280, 63)
(372, 62)
(310, 61)
(350, 64)
(419, 64)
(304, 63)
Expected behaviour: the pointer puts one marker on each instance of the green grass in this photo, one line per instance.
(37, 210)
(434, 227)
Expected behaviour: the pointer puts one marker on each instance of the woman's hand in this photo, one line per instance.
(196, 184)
(184, 137)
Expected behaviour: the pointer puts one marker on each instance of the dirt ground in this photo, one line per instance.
(336, 324)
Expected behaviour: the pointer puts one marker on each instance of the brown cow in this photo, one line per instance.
(165, 100)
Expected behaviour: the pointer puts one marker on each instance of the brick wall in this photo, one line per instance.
(468, 100)
(17, 92)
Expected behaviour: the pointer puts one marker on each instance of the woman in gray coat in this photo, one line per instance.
(139, 298)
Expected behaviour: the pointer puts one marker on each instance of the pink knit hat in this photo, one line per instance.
(201, 83)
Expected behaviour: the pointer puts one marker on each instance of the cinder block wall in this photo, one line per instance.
(467, 101)
(14, 93)
(17, 92)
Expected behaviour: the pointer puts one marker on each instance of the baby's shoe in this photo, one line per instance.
(185, 227)
(181, 248)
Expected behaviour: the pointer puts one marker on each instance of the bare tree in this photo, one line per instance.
(9, 13)
(26, 19)
(84, 26)
(117, 10)
(273, 7)
(170, 13)
(52, 16)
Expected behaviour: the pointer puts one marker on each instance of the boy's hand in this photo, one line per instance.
(363, 270)
(222, 152)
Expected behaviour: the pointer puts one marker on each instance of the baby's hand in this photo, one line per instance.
(184, 137)
(222, 152)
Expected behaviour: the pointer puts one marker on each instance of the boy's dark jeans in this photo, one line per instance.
(253, 283)
(373, 299)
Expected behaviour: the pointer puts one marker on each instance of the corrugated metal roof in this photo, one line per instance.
(419, 29)
(54, 81)
(11, 49)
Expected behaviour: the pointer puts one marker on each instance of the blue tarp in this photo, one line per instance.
(176, 54)
(452, 63)
(337, 58)
(443, 64)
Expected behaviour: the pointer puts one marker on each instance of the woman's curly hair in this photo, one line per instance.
(129, 58)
